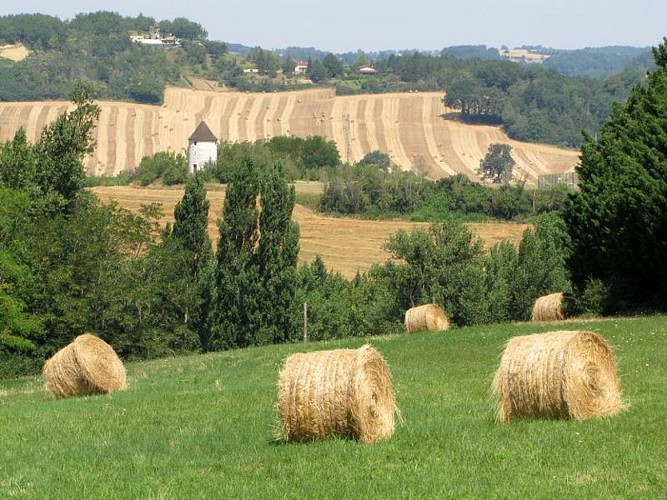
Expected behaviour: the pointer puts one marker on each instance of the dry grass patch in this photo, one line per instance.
(16, 52)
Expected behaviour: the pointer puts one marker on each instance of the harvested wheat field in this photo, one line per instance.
(346, 245)
(411, 128)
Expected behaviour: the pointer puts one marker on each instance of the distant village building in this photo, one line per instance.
(523, 55)
(367, 70)
(301, 68)
(202, 148)
(154, 37)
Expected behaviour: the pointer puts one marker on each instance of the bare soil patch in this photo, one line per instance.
(16, 52)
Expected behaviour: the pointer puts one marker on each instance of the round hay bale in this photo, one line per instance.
(88, 365)
(427, 317)
(549, 308)
(342, 392)
(563, 374)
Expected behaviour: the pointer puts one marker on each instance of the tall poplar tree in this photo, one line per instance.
(256, 259)
(190, 234)
(191, 223)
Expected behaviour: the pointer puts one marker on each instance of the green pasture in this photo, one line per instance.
(206, 426)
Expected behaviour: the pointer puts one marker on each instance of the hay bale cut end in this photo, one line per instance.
(562, 374)
(342, 393)
(87, 365)
(427, 317)
(549, 308)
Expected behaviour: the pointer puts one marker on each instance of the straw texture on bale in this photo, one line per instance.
(564, 374)
(549, 308)
(427, 317)
(86, 366)
(343, 393)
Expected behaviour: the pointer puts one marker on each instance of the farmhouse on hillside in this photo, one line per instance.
(202, 148)
(367, 70)
(301, 68)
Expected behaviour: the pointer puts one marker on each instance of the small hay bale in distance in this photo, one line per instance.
(552, 307)
(86, 366)
(336, 393)
(562, 374)
(427, 317)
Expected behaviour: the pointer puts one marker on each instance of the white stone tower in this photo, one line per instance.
(202, 148)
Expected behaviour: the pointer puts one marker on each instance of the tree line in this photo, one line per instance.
(371, 188)
(96, 47)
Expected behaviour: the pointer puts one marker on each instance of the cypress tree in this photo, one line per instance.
(618, 219)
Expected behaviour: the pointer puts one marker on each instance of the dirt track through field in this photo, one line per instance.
(414, 129)
(346, 245)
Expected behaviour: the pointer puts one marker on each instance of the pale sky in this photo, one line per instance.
(371, 25)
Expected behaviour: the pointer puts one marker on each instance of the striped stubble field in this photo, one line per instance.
(414, 129)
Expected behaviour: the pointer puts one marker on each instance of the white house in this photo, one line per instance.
(301, 68)
(202, 148)
(367, 70)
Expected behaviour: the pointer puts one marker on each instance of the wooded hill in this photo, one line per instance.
(532, 102)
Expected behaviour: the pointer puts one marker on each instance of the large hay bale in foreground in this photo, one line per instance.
(564, 374)
(549, 308)
(87, 365)
(427, 317)
(342, 392)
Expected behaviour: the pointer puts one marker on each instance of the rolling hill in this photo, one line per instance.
(413, 128)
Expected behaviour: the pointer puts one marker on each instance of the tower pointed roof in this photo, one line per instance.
(203, 134)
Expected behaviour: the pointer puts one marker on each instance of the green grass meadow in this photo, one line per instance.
(206, 427)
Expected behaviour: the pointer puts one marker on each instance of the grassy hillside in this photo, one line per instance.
(205, 427)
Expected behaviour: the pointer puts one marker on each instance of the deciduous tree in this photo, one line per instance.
(498, 163)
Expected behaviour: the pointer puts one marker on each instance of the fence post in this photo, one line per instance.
(305, 321)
